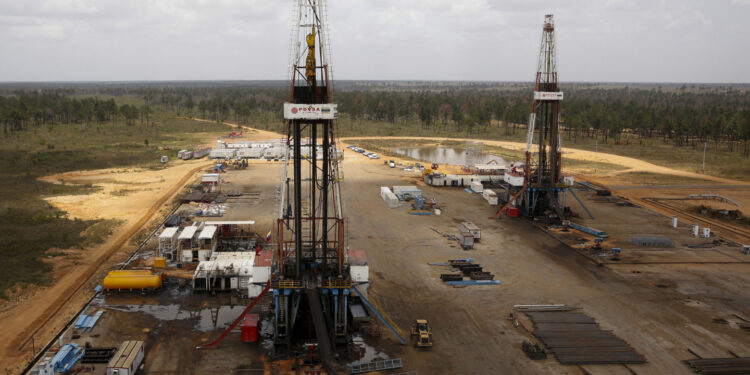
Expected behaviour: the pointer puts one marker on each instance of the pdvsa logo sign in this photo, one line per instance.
(294, 109)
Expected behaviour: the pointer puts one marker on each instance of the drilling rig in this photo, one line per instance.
(543, 190)
(312, 283)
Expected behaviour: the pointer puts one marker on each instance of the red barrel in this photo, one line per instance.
(249, 328)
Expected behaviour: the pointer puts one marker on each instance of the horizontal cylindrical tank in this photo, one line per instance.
(130, 272)
(133, 280)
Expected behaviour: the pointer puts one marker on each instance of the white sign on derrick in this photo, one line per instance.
(548, 95)
(294, 111)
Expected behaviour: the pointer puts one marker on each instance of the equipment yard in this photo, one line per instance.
(669, 304)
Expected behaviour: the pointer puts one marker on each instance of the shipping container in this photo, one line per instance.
(472, 228)
(128, 358)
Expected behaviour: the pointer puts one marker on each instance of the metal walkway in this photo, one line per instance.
(388, 364)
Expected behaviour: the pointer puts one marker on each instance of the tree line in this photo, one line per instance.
(23, 109)
(680, 115)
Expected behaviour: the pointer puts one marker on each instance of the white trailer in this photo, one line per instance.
(197, 154)
(127, 360)
(225, 153)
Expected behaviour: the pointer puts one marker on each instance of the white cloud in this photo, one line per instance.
(613, 40)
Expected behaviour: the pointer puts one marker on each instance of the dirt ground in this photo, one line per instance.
(472, 334)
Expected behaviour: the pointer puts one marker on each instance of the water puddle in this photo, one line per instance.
(364, 353)
(174, 303)
(448, 155)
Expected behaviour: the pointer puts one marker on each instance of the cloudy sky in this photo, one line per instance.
(488, 40)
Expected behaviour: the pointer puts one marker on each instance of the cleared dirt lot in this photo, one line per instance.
(472, 334)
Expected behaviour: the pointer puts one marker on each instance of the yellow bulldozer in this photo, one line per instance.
(422, 332)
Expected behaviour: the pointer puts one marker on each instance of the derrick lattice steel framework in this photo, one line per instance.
(544, 189)
(311, 290)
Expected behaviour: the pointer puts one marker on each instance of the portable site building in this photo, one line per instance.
(250, 153)
(495, 169)
(210, 179)
(168, 242)
(188, 244)
(513, 179)
(127, 359)
(225, 271)
(490, 196)
(261, 273)
(207, 242)
(199, 153)
(476, 186)
(224, 153)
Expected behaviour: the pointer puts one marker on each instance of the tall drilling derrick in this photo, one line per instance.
(544, 188)
(311, 286)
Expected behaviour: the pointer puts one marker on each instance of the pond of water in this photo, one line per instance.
(446, 155)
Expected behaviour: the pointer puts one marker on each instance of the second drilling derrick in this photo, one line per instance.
(543, 192)
(311, 289)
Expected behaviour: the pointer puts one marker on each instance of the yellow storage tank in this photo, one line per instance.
(132, 280)
(130, 272)
(160, 262)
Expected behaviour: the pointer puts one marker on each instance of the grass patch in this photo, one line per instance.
(121, 192)
(27, 234)
(98, 232)
(649, 178)
(30, 226)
